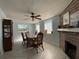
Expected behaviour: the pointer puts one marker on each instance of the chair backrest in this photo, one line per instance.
(26, 35)
(40, 38)
(23, 36)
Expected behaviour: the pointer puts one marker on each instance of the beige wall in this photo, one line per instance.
(54, 37)
(2, 15)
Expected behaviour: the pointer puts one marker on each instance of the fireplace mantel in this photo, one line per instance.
(69, 29)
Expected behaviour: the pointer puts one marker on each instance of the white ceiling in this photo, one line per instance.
(17, 9)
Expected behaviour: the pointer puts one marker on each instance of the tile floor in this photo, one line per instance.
(22, 52)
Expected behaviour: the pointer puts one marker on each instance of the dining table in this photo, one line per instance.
(32, 40)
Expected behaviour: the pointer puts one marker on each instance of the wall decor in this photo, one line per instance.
(66, 18)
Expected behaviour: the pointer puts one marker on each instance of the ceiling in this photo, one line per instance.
(17, 9)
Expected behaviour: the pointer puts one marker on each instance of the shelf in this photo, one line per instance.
(7, 35)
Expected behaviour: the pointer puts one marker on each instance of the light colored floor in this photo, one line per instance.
(21, 52)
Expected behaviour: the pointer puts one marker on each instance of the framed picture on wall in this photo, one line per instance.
(66, 19)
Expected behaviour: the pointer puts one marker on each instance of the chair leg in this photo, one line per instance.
(22, 43)
(37, 50)
(42, 47)
(27, 45)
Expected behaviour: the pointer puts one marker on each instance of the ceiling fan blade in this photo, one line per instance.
(39, 18)
(37, 15)
(33, 16)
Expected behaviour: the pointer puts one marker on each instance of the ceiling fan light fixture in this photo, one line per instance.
(33, 16)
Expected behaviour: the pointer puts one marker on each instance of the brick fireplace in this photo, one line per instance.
(69, 42)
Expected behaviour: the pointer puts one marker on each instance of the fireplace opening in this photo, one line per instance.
(70, 50)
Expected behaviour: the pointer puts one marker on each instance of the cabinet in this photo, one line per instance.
(7, 34)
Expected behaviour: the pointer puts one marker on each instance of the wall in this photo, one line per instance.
(42, 26)
(54, 37)
(17, 35)
(55, 32)
(2, 15)
(33, 28)
(74, 19)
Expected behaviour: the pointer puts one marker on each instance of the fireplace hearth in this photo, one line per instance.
(70, 50)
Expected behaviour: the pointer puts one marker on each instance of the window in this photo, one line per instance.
(38, 27)
(22, 27)
(48, 26)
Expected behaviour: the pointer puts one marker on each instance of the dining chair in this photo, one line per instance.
(29, 42)
(40, 39)
(38, 42)
(23, 37)
(26, 36)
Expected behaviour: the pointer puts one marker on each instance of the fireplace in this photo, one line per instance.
(70, 50)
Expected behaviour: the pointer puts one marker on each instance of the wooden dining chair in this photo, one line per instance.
(40, 39)
(23, 37)
(26, 36)
(38, 42)
(29, 42)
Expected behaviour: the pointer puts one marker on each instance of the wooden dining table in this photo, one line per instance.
(32, 40)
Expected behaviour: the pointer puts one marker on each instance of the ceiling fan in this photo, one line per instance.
(33, 16)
